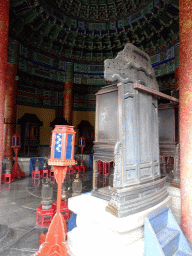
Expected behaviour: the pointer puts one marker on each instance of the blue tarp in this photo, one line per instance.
(32, 164)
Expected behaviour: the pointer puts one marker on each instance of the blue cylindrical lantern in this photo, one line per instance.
(62, 146)
(16, 140)
(81, 142)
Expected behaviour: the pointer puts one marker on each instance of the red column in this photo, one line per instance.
(10, 109)
(185, 15)
(4, 24)
(68, 102)
(176, 76)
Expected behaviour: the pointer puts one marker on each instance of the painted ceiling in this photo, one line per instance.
(93, 30)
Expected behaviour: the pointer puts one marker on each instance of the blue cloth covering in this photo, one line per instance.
(72, 221)
(32, 164)
(3, 171)
(90, 160)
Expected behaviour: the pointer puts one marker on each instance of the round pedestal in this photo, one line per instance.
(100, 233)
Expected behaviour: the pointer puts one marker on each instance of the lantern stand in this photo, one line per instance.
(62, 155)
(16, 145)
(81, 145)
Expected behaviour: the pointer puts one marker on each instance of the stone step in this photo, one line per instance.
(181, 253)
(168, 239)
(163, 236)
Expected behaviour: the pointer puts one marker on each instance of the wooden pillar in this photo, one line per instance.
(10, 109)
(68, 95)
(4, 25)
(185, 105)
(10, 97)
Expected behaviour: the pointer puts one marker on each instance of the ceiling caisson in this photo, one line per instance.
(93, 30)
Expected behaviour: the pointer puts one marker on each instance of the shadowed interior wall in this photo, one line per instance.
(78, 116)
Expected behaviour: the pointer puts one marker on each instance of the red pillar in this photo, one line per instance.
(185, 88)
(4, 24)
(68, 96)
(68, 102)
(10, 109)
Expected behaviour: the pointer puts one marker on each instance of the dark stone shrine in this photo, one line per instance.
(127, 134)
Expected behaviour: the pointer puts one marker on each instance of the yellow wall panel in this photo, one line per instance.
(48, 115)
(44, 115)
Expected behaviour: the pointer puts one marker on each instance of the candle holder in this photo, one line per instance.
(82, 146)
(16, 145)
(62, 155)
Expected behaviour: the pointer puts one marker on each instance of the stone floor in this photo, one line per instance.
(19, 235)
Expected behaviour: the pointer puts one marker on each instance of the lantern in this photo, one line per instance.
(81, 145)
(62, 155)
(16, 140)
(16, 145)
(63, 145)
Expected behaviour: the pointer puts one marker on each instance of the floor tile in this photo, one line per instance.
(13, 217)
(27, 223)
(14, 252)
(30, 241)
(7, 208)
(18, 203)
(13, 236)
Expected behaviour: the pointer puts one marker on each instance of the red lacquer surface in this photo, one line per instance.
(4, 24)
(185, 90)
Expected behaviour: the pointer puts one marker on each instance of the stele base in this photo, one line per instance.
(100, 233)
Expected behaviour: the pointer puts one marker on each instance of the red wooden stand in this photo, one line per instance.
(7, 178)
(71, 169)
(42, 174)
(45, 173)
(51, 173)
(82, 168)
(76, 169)
(36, 174)
(44, 216)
